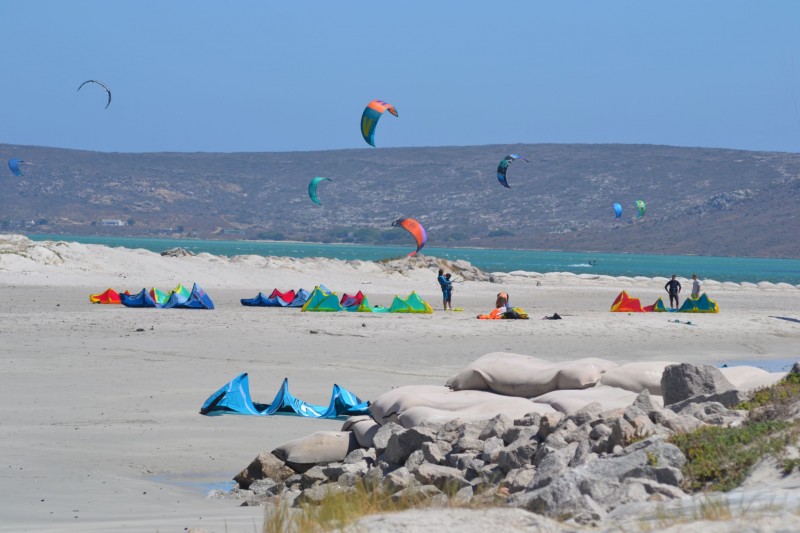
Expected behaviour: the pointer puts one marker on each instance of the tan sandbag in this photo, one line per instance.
(636, 377)
(438, 401)
(748, 378)
(525, 376)
(317, 448)
(364, 428)
(570, 401)
(484, 411)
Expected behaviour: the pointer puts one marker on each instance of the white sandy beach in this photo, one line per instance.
(100, 423)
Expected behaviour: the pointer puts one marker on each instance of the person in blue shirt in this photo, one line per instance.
(447, 289)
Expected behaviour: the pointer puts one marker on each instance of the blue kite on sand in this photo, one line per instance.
(234, 398)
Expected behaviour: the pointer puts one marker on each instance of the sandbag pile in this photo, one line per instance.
(576, 449)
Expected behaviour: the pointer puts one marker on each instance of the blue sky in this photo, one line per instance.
(274, 76)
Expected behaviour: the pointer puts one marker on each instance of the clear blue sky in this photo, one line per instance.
(271, 76)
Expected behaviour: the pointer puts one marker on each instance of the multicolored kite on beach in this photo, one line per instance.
(13, 165)
(502, 168)
(101, 84)
(415, 229)
(312, 189)
(369, 120)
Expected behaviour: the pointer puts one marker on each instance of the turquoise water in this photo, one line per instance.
(717, 268)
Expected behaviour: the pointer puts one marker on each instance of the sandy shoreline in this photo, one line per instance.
(100, 420)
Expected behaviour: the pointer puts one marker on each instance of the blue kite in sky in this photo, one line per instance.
(312, 189)
(13, 164)
(502, 168)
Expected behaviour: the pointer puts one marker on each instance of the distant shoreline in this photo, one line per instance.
(752, 270)
(65, 237)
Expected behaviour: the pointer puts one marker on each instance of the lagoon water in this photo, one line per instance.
(735, 269)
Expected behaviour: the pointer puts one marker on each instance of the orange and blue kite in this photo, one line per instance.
(369, 120)
(415, 229)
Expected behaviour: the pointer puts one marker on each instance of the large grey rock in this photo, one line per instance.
(402, 444)
(551, 464)
(491, 449)
(316, 494)
(645, 402)
(313, 476)
(433, 453)
(261, 487)
(414, 460)
(360, 454)
(561, 499)
(496, 427)
(586, 414)
(518, 479)
(622, 432)
(265, 466)
(381, 437)
(444, 478)
(516, 433)
(516, 455)
(676, 422)
(729, 398)
(397, 480)
(335, 471)
(684, 381)
(467, 443)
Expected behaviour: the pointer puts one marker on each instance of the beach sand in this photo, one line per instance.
(100, 423)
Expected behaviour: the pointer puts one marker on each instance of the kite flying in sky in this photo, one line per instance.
(13, 164)
(415, 229)
(641, 208)
(101, 84)
(369, 120)
(503, 167)
(312, 189)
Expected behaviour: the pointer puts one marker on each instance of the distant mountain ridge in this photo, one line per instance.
(702, 201)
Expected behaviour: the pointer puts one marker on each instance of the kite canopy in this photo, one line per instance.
(410, 304)
(624, 303)
(312, 189)
(617, 210)
(101, 84)
(13, 165)
(641, 207)
(415, 229)
(234, 398)
(369, 120)
(502, 168)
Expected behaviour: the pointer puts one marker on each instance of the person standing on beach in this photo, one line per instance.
(446, 287)
(695, 287)
(448, 294)
(673, 287)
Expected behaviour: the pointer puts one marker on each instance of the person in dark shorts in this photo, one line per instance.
(448, 292)
(443, 285)
(673, 287)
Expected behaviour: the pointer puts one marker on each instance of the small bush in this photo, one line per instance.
(719, 458)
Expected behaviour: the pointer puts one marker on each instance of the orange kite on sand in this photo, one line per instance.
(626, 304)
(109, 297)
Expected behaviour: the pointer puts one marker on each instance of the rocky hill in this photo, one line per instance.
(700, 200)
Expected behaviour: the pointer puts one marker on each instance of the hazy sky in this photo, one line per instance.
(271, 76)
